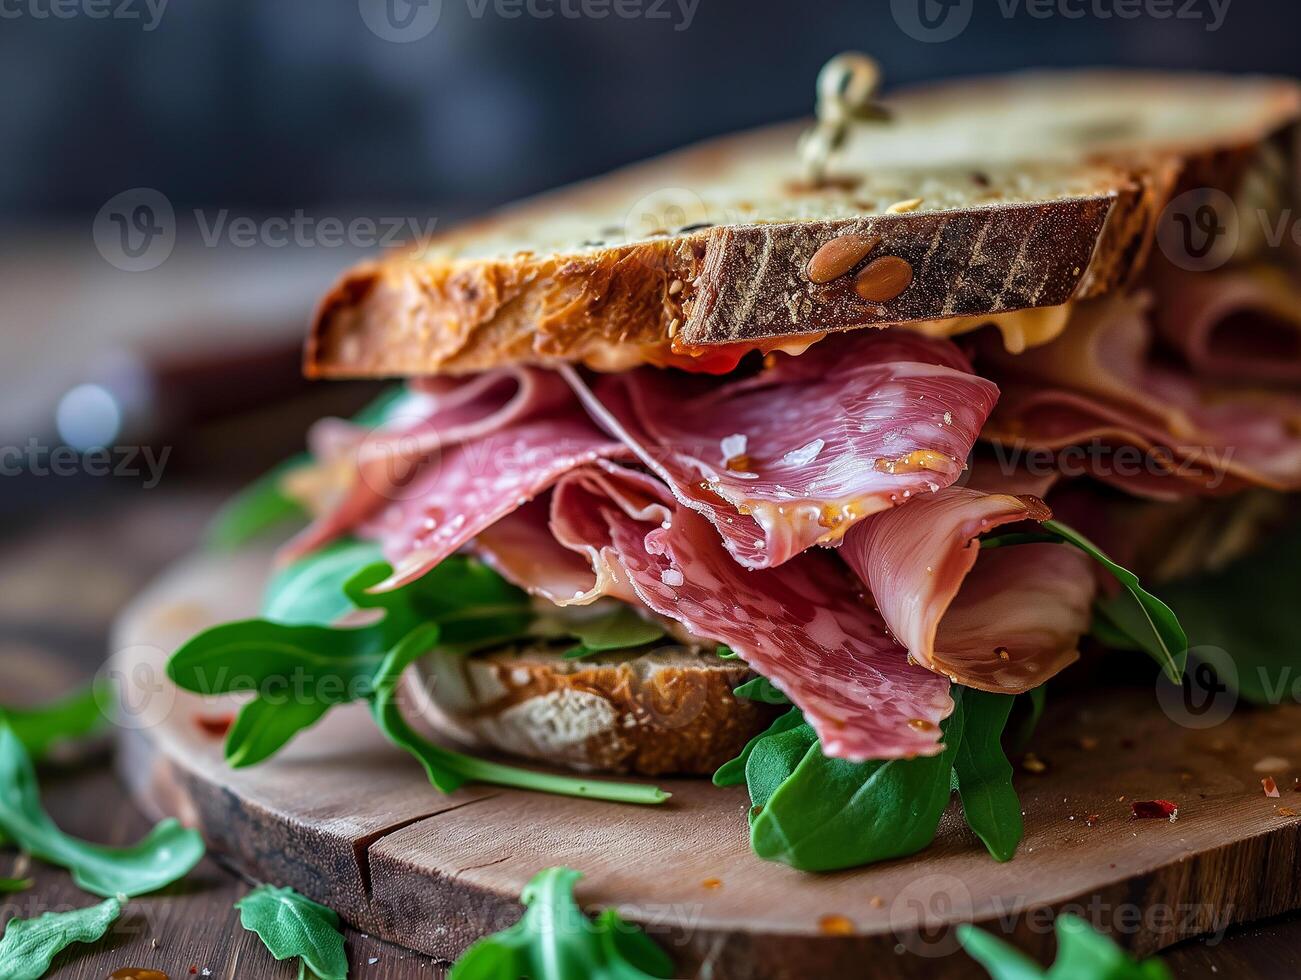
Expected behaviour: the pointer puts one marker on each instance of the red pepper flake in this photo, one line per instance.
(1270, 787)
(217, 726)
(194, 969)
(1092, 820)
(712, 883)
(1153, 809)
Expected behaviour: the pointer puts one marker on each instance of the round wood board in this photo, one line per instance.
(351, 822)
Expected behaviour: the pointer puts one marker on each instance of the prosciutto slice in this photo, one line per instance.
(1164, 433)
(1003, 620)
(456, 459)
(803, 625)
(1234, 324)
(794, 455)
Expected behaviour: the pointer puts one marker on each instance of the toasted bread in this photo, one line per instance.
(670, 710)
(999, 194)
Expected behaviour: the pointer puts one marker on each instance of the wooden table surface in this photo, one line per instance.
(63, 576)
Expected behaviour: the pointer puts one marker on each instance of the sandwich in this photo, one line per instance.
(711, 467)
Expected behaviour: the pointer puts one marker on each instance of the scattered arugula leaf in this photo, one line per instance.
(72, 717)
(256, 509)
(821, 814)
(556, 941)
(449, 770)
(1151, 623)
(11, 885)
(984, 776)
(30, 945)
(1082, 954)
(1249, 610)
(166, 854)
(292, 925)
(620, 629)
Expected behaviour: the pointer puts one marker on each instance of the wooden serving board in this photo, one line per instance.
(351, 822)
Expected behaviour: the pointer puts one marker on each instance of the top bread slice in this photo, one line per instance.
(996, 194)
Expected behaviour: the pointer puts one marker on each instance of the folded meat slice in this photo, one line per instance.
(1003, 620)
(794, 455)
(455, 460)
(803, 625)
(1149, 428)
(1236, 324)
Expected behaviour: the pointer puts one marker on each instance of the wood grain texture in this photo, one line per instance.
(350, 822)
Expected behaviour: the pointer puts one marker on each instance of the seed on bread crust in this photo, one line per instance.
(883, 279)
(838, 256)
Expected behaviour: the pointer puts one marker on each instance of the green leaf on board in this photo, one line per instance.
(1082, 954)
(29, 946)
(67, 719)
(291, 925)
(556, 941)
(165, 855)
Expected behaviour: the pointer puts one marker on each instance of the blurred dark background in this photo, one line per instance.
(297, 103)
(411, 110)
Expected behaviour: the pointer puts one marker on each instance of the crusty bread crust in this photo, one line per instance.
(668, 711)
(1035, 189)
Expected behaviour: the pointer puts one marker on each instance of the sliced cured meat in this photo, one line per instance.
(1145, 427)
(1236, 325)
(794, 455)
(802, 625)
(1004, 620)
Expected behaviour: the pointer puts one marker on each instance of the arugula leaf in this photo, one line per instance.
(759, 688)
(11, 885)
(1142, 616)
(72, 717)
(310, 591)
(290, 924)
(726, 653)
(732, 772)
(1249, 610)
(30, 945)
(165, 855)
(449, 770)
(258, 508)
(621, 629)
(1082, 954)
(826, 813)
(555, 941)
(984, 776)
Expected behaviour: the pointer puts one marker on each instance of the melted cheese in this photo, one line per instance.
(1021, 329)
